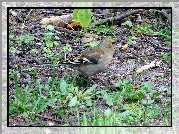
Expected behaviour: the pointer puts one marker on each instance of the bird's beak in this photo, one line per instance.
(117, 43)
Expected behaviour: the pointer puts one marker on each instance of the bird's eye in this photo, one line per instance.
(113, 42)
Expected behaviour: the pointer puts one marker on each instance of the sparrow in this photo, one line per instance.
(94, 60)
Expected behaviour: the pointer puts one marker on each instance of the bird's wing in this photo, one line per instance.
(92, 55)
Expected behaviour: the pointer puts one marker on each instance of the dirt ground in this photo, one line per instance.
(125, 67)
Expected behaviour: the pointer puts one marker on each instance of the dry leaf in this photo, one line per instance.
(60, 21)
(124, 47)
(75, 25)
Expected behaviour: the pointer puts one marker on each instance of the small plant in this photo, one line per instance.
(66, 48)
(24, 39)
(83, 16)
(49, 41)
(165, 57)
(103, 29)
(82, 97)
(109, 98)
(47, 52)
(127, 23)
(142, 29)
(34, 51)
(14, 50)
(128, 91)
(48, 36)
(132, 40)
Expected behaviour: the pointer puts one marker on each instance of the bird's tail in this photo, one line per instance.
(64, 63)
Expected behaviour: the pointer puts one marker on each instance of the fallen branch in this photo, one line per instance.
(148, 66)
(155, 44)
(165, 15)
(123, 15)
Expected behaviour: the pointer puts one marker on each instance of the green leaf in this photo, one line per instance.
(56, 37)
(49, 43)
(134, 42)
(75, 12)
(155, 93)
(14, 50)
(109, 101)
(134, 38)
(118, 84)
(26, 116)
(88, 102)
(34, 51)
(167, 42)
(128, 23)
(73, 102)
(50, 27)
(67, 47)
(85, 123)
(44, 102)
(83, 16)
(56, 43)
(35, 104)
(88, 91)
(107, 112)
(63, 86)
(147, 86)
